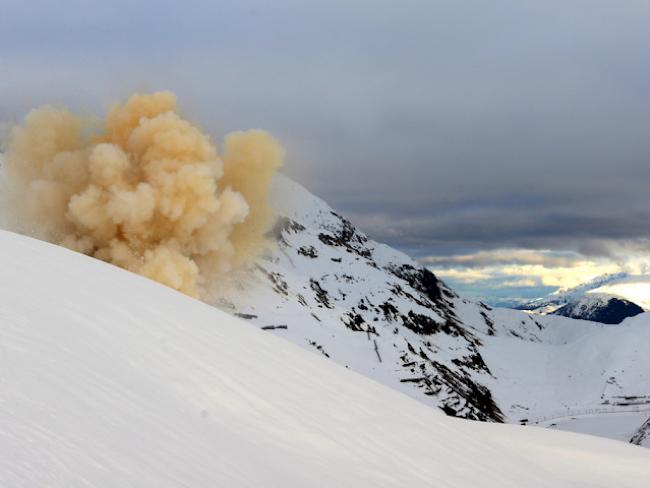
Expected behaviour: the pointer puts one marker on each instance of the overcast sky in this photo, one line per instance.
(472, 134)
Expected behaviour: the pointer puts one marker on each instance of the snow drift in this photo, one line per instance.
(114, 380)
(146, 192)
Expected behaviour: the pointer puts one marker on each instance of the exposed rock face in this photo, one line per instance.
(642, 436)
(372, 309)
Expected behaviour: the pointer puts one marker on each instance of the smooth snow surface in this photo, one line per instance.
(621, 426)
(110, 380)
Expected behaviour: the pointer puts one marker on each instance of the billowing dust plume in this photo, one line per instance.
(148, 192)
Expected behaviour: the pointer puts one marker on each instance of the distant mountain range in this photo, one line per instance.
(608, 299)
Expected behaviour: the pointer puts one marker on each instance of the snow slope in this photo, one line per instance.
(604, 370)
(109, 379)
(622, 426)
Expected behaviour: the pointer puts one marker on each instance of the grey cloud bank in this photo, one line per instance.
(443, 127)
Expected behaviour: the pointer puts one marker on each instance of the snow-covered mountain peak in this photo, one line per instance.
(599, 307)
(330, 288)
(608, 298)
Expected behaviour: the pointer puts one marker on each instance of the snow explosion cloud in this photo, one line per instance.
(147, 191)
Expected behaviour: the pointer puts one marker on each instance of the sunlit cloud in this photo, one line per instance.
(525, 268)
(522, 283)
(560, 276)
(464, 275)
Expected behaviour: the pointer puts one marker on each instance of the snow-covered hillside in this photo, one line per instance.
(109, 379)
(329, 288)
(594, 381)
(365, 305)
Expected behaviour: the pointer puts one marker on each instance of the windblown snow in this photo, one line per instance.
(109, 379)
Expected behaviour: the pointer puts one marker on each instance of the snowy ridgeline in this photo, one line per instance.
(109, 379)
(329, 288)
